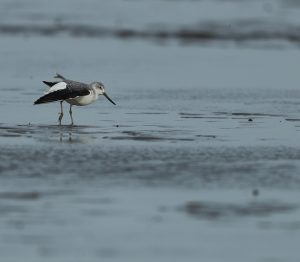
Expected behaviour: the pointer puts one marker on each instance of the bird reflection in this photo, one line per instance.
(68, 139)
(72, 136)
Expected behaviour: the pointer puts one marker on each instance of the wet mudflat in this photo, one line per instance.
(152, 184)
(199, 160)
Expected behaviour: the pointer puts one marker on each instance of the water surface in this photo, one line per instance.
(199, 160)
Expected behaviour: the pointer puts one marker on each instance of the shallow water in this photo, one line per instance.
(199, 160)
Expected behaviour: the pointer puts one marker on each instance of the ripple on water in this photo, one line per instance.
(156, 165)
(216, 211)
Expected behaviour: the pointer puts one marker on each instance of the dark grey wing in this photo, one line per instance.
(72, 90)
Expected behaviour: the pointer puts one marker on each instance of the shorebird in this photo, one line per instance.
(73, 92)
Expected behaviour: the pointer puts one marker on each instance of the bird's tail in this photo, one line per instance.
(59, 76)
(58, 95)
(50, 84)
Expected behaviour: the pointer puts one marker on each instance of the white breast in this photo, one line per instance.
(83, 100)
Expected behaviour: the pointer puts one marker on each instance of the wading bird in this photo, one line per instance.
(73, 92)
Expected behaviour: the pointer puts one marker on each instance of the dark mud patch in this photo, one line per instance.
(191, 114)
(292, 119)
(10, 135)
(228, 115)
(256, 114)
(158, 126)
(216, 211)
(206, 136)
(200, 116)
(20, 130)
(31, 195)
(203, 117)
(34, 195)
(248, 114)
(140, 136)
(67, 127)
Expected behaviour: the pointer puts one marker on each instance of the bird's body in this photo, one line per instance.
(73, 92)
(84, 100)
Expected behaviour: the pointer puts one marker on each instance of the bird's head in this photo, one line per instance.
(100, 90)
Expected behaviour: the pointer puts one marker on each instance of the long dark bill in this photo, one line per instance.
(108, 98)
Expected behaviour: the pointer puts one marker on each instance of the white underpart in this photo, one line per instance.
(84, 100)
